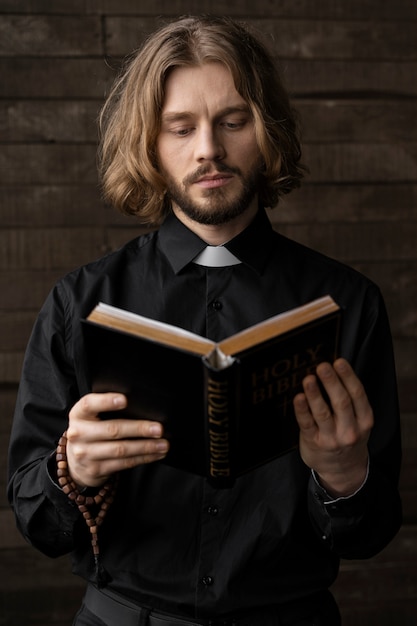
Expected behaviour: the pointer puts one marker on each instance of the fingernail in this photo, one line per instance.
(341, 366)
(155, 430)
(310, 384)
(325, 370)
(162, 446)
(119, 401)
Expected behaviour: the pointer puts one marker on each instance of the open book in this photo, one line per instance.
(226, 407)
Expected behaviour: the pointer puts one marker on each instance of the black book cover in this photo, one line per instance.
(221, 421)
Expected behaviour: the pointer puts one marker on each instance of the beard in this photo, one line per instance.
(217, 206)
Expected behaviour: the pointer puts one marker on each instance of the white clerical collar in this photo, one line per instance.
(216, 256)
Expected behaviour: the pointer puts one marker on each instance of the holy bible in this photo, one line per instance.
(226, 407)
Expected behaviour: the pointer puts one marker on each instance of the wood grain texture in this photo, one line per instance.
(350, 68)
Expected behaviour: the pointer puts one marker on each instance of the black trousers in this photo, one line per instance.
(107, 609)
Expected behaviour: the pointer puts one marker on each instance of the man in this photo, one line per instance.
(199, 136)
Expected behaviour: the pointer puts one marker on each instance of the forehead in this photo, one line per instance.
(210, 86)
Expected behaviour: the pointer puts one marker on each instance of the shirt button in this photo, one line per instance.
(216, 305)
(212, 510)
(207, 581)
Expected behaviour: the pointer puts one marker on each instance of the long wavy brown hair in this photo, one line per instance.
(130, 118)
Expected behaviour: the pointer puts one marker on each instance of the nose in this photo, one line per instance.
(209, 145)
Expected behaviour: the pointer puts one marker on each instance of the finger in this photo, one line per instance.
(92, 462)
(117, 429)
(90, 405)
(357, 394)
(120, 450)
(303, 415)
(84, 420)
(319, 408)
(112, 466)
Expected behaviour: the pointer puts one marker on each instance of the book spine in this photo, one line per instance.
(220, 420)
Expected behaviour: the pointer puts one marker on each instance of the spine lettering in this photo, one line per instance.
(218, 427)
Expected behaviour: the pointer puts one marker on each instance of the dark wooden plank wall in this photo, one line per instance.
(351, 67)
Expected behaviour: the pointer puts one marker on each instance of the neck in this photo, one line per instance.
(220, 234)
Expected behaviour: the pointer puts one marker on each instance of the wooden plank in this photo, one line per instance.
(361, 589)
(345, 202)
(357, 121)
(325, 9)
(91, 78)
(8, 532)
(408, 396)
(343, 39)
(7, 403)
(50, 35)
(44, 163)
(293, 39)
(9, 535)
(10, 367)
(16, 327)
(408, 479)
(408, 483)
(25, 569)
(349, 162)
(306, 78)
(26, 290)
(383, 613)
(49, 248)
(409, 435)
(354, 242)
(54, 78)
(49, 121)
(397, 281)
(409, 502)
(70, 204)
(405, 355)
(54, 606)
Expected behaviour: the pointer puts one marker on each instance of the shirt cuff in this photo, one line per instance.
(329, 498)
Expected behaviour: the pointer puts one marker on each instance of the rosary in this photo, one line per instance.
(93, 508)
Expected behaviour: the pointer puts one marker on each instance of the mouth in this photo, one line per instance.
(214, 180)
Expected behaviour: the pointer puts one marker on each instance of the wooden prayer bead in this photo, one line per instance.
(92, 508)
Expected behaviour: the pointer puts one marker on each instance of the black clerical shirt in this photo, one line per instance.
(170, 539)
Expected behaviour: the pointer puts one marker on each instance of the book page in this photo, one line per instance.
(278, 325)
(126, 321)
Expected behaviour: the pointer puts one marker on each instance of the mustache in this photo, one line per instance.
(204, 170)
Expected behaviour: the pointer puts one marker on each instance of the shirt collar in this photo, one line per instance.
(251, 246)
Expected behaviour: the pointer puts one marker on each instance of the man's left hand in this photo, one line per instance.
(334, 434)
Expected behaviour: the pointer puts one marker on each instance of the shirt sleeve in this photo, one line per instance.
(361, 525)
(47, 390)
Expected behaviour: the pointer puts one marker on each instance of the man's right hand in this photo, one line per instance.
(98, 448)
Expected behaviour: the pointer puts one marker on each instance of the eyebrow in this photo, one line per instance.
(177, 116)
